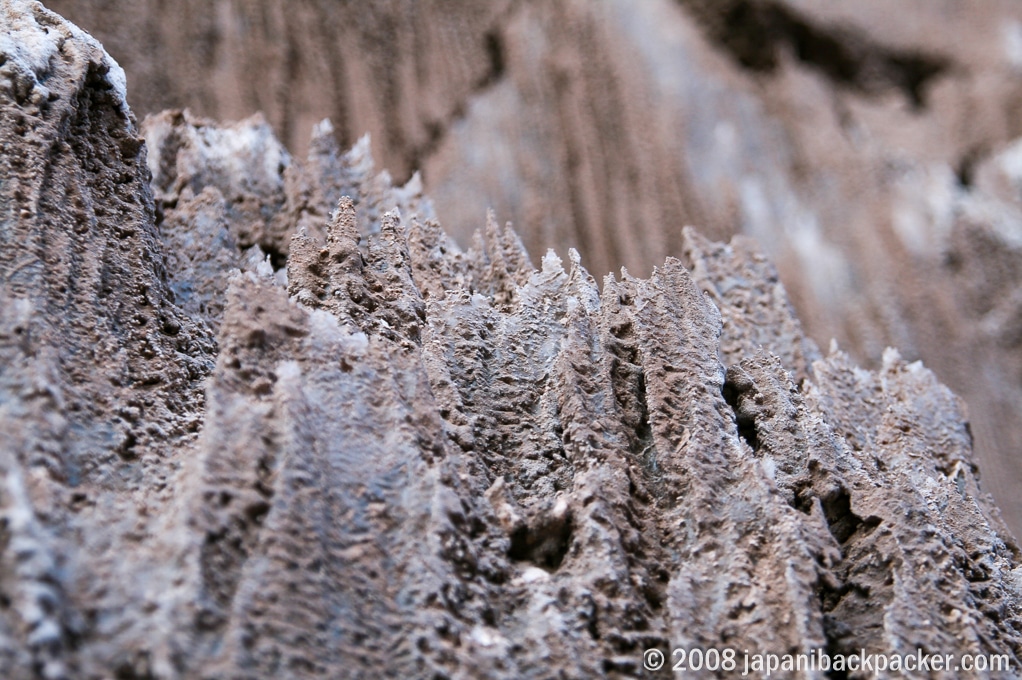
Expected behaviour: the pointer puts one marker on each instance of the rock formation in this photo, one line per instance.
(851, 146)
(262, 417)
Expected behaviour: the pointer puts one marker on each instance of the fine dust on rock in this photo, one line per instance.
(262, 417)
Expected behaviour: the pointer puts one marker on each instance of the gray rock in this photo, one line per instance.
(401, 458)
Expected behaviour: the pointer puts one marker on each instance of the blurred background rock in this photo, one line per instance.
(868, 146)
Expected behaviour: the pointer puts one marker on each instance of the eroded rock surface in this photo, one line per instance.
(262, 417)
(847, 145)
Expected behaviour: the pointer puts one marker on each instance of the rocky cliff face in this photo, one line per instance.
(262, 417)
(853, 148)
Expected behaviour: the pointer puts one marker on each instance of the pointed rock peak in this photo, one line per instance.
(574, 258)
(697, 249)
(582, 284)
(384, 180)
(343, 224)
(393, 230)
(491, 232)
(34, 38)
(514, 250)
(503, 244)
(391, 222)
(693, 244)
(478, 242)
(674, 270)
(617, 293)
(673, 264)
(322, 143)
(430, 234)
(363, 147)
(892, 362)
(244, 158)
(413, 187)
(547, 282)
(891, 358)
(552, 264)
(323, 128)
(577, 274)
(359, 160)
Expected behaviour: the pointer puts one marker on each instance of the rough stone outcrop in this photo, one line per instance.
(262, 417)
(848, 145)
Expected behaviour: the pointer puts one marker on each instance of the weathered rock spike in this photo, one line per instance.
(358, 161)
(322, 144)
(411, 200)
(747, 290)
(494, 272)
(438, 264)
(392, 227)
(583, 284)
(343, 231)
(244, 161)
(513, 250)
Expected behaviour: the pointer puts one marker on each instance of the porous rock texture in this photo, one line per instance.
(261, 417)
(852, 140)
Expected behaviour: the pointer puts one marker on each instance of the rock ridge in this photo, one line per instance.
(262, 417)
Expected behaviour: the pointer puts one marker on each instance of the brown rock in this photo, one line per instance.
(402, 458)
(842, 140)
